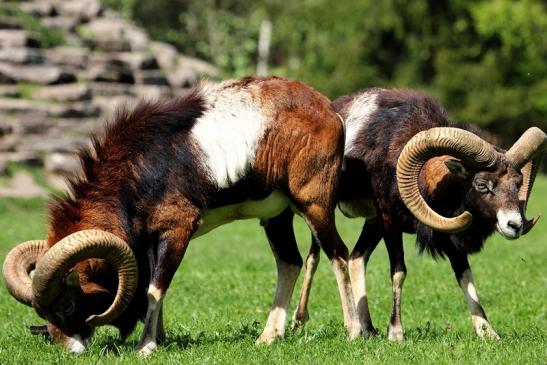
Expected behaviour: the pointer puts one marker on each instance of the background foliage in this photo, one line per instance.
(484, 60)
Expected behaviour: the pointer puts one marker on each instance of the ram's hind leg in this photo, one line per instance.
(301, 315)
(394, 243)
(321, 222)
(462, 270)
(287, 257)
(367, 242)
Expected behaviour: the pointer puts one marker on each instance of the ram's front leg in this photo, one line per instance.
(462, 270)
(168, 255)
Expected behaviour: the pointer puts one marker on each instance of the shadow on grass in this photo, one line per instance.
(182, 339)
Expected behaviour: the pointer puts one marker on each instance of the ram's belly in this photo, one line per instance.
(266, 208)
(358, 208)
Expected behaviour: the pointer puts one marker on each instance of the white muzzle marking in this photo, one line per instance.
(76, 344)
(509, 223)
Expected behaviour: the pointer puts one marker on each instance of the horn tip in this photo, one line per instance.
(93, 320)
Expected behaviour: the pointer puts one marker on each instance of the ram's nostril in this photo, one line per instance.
(514, 225)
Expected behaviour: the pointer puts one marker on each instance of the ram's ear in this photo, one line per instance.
(457, 168)
(72, 279)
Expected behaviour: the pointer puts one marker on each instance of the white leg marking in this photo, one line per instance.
(346, 296)
(75, 344)
(229, 132)
(275, 326)
(357, 273)
(395, 328)
(148, 341)
(480, 323)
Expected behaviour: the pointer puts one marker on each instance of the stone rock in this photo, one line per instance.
(151, 77)
(137, 38)
(82, 10)
(63, 93)
(111, 89)
(24, 158)
(75, 110)
(109, 105)
(181, 91)
(10, 91)
(107, 34)
(181, 71)
(9, 143)
(39, 143)
(77, 126)
(189, 70)
(17, 38)
(103, 73)
(62, 23)
(32, 123)
(22, 55)
(109, 45)
(62, 163)
(3, 167)
(71, 56)
(152, 92)
(22, 106)
(43, 75)
(6, 78)
(129, 60)
(9, 23)
(166, 54)
(5, 127)
(39, 8)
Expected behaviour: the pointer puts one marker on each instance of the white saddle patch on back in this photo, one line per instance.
(228, 132)
(360, 111)
(267, 208)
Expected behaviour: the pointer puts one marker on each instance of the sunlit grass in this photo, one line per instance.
(219, 301)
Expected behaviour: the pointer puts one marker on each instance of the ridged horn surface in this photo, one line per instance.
(464, 145)
(526, 155)
(79, 246)
(19, 263)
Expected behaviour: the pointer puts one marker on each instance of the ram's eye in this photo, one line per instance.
(482, 186)
(68, 309)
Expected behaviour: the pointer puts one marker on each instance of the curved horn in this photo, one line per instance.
(19, 262)
(526, 155)
(459, 143)
(532, 141)
(50, 270)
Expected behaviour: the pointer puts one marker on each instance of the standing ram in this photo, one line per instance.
(168, 172)
(400, 146)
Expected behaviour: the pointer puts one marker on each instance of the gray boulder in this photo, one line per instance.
(17, 38)
(63, 93)
(42, 75)
(22, 55)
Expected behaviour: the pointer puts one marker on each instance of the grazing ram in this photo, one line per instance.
(400, 146)
(169, 172)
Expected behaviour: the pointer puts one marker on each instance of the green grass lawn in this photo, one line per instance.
(219, 302)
